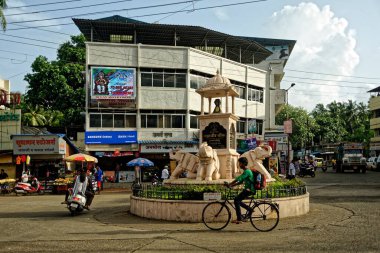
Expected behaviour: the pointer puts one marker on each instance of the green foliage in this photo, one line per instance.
(58, 86)
(337, 122)
(3, 21)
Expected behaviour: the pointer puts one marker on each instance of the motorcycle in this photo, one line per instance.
(29, 188)
(76, 203)
(306, 170)
(156, 180)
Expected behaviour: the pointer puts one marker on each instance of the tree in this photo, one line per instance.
(304, 125)
(33, 115)
(3, 21)
(58, 86)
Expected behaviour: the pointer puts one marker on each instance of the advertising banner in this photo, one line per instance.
(111, 137)
(126, 176)
(279, 52)
(113, 83)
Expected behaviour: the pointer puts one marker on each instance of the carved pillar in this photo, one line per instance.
(226, 102)
(202, 105)
(209, 105)
(233, 105)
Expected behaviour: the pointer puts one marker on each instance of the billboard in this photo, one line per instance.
(279, 52)
(113, 83)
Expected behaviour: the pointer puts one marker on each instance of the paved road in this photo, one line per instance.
(344, 217)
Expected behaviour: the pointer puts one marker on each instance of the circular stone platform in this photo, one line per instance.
(191, 210)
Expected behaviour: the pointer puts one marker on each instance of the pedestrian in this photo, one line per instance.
(117, 173)
(3, 174)
(165, 173)
(99, 178)
(292, 170)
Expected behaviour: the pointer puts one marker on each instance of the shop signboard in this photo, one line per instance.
(38, 144)
(110, 137)
(166, 148)
(278, 52)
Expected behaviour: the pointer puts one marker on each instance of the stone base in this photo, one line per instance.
(191, 210)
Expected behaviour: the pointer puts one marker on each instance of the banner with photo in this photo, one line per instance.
(113, 83)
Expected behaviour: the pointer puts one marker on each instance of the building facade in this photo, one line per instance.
(374, 106)
(141, 82)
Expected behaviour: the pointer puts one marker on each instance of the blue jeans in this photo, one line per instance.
(238, 201)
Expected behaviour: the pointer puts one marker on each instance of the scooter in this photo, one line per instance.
(306, 169)
(75, 203)
(29, 188)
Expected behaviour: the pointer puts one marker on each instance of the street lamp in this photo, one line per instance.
(292, 85)
(287, 120)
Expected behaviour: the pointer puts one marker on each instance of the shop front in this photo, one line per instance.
(114, 149)
(41, 156)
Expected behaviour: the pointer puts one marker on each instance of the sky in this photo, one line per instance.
(335, 57)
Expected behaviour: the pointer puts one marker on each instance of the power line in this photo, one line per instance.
(20, 37)
(324, 84)
(37, 27)
(44, 4)
(101, 12)
(310, 72)
(68, 8)
(25, 43)
(317, 79)
(13, 52)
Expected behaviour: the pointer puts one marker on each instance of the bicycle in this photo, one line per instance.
(263, 214)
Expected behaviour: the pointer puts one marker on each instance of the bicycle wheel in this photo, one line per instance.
(265, 216)
(216, 215)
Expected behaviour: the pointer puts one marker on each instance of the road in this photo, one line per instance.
(344, 217)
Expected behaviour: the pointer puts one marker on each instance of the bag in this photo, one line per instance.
(261, 182)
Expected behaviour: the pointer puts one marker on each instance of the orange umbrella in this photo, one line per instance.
(81, 158)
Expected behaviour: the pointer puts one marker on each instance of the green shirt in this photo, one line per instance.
(247, 178)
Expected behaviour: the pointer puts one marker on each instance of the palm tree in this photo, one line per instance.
(33, 116)
(3, 21)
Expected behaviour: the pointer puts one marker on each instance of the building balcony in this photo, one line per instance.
(374, 103)
(374, 123)
(375, 139)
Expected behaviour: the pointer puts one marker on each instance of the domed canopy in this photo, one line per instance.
(217, 86)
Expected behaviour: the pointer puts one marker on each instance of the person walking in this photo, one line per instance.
(99, 178)
(165, 173)
(292, 170)
(3, 174)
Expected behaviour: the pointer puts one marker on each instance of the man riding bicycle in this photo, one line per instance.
(248, 179)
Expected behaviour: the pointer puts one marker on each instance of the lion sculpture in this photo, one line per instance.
(209, 163)
(186, 162)
(255, 159)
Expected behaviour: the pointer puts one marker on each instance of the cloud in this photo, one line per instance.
(325, 44)
(221, 14)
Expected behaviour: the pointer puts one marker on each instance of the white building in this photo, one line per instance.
(153, 107)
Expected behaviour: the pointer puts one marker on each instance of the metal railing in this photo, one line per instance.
(188, 193)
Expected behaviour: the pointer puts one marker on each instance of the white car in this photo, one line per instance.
(371, 163)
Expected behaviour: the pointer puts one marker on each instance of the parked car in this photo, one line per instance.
(372, 163)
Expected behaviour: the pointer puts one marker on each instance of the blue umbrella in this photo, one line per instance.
(141, 162)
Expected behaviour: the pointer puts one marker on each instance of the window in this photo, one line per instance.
(158, 80)
(163, 78)
(169, 80)
(146, 79)
(163, 120)
(130, 121)
(118, 120)
(180, 81)
(241, 91)
(107, 120)
(151, 121)
(193, 122)
(194, 82)
(240, 126)
(95, 120)
(255, 94)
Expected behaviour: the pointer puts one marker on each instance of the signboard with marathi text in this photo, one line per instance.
(215, 135)
(166, 147)
(38, 144)
(113, 83)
